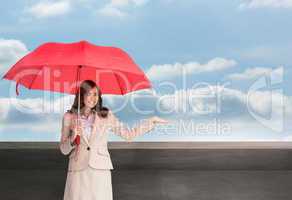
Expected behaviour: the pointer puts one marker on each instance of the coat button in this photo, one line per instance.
(88, 148)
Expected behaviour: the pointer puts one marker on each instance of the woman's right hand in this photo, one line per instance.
(77, 131)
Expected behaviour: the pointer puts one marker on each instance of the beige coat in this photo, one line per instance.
(97, 155)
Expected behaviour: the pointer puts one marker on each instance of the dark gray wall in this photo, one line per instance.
(39, 172)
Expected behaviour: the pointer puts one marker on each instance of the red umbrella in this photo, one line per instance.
(61, 67)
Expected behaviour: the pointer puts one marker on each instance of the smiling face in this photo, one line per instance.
(91, 98)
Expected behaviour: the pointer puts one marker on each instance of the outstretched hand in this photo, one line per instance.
(158, 120)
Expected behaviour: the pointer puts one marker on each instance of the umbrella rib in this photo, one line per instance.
(34, 78)
(118, 83)
(90, 66)
(112, 70)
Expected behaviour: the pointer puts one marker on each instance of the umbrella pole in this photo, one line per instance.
(77, 85)
(78, 104)
(78, 111)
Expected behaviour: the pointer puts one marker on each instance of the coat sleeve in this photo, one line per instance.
(65, 142)
(122, 130)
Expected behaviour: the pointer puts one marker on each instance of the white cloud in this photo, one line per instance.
(39, 105)
(10, 51)
(250, 4)
(256, 72)
(263, 109)
(214, 99)
(120, 8)
(49, 8)
(33, 114)
(191, 102)
(174, 70)
(4, 108)
(53, 8)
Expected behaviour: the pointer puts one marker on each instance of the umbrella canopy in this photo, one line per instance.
(61, 67)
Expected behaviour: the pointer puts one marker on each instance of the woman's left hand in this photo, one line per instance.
(158, 120)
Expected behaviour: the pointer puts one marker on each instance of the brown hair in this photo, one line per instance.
(84, 88)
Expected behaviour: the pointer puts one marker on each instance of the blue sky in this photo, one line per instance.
(232, 45)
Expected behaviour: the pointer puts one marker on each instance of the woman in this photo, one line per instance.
(89, 175)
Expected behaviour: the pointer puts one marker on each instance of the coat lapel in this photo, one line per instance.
(85, 139)
(98, 126)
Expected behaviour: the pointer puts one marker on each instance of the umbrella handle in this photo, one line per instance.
(16, 88)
